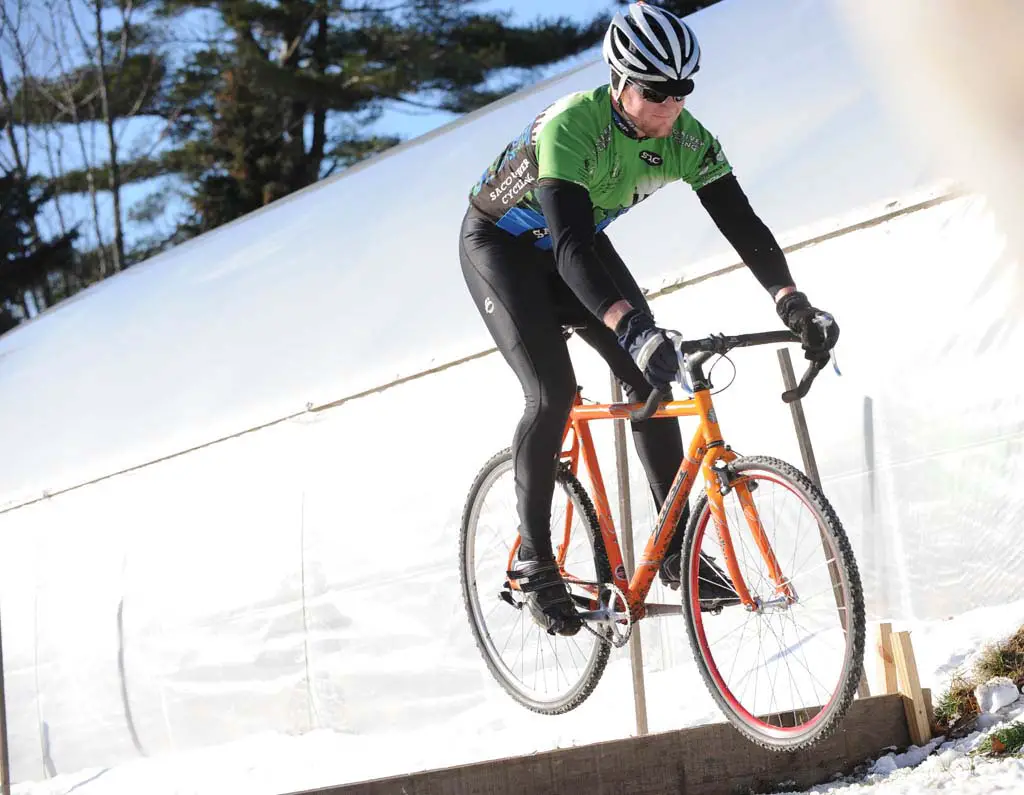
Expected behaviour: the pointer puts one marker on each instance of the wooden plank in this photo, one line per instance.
(705, 760)
(910, 689)
(886, 672)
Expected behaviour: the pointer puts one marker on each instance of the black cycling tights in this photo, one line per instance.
(525, 305)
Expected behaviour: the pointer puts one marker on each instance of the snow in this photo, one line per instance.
(940, 766)
(271, 764)
(996, 693)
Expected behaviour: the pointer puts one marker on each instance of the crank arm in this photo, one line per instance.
(603, 616)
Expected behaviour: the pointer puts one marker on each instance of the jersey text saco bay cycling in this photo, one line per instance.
(575, 140)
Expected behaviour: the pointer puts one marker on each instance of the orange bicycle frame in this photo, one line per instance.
(706, 449)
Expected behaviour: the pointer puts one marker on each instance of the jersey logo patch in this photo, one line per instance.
(651, 158)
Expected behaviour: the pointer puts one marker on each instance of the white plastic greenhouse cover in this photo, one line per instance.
(320, 296)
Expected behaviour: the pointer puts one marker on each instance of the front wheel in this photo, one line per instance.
(784, 668)
(550, 674)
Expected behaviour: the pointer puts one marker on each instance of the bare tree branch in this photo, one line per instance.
(13, 29)
(87, 159)
(55, 163)
(114, 180)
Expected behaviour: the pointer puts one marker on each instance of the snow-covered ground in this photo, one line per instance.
(939, 767)
(271, 764)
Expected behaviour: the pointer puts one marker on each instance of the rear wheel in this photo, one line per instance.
(785, 671)
(546, 673)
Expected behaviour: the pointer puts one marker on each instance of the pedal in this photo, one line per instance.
(506, 596)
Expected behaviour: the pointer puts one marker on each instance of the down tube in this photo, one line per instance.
(668, 519)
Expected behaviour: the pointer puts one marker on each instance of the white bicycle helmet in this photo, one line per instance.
(653, 48)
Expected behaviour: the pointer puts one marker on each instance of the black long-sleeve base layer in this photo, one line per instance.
(525, 303)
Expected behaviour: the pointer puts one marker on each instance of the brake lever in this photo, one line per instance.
(801, 389)
(823, 321)
(683, 380)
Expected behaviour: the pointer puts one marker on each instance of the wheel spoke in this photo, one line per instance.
(546, 673)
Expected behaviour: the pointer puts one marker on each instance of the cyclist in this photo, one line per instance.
(536, 261)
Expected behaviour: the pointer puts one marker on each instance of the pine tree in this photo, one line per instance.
(29, 264)
(283, 97)
(680, 8)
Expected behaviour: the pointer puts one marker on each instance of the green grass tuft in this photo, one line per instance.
(1003, 659)
(956, 703)
(1007, 740)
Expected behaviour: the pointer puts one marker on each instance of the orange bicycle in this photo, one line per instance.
(782, 660)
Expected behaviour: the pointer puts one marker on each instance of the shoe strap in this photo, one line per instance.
(536, 577)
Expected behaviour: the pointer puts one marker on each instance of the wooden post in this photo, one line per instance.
(636, 657)
(886, 680)
(5, 757)
(803, 438)
(910, 688)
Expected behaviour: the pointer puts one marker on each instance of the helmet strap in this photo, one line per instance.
(618, 84)
(622, 119)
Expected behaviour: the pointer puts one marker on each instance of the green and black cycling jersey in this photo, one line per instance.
(582, 139)
(580, 164)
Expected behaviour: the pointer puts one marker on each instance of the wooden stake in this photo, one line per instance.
(885, 675)
(910, 688)
(636, 655)
(803, 438)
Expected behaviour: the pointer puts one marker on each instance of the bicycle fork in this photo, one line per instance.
(719, 481)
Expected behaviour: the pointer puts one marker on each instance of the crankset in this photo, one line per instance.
(610, 625)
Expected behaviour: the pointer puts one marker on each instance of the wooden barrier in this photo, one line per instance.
(705, 760)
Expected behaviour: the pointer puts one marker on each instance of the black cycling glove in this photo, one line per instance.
(818, 330)
(649, 346)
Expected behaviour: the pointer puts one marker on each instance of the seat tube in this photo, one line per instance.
(572, 457)
(600, 499)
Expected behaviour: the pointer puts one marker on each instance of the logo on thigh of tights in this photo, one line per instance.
(488, 306)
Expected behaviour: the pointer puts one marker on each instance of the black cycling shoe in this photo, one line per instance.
(546, 596)
(715, 588)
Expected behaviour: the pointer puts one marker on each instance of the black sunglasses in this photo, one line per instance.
(650, 95)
